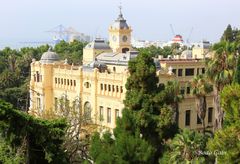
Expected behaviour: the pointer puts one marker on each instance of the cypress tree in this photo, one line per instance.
(228, 34)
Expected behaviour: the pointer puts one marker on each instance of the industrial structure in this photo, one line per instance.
(67, 34)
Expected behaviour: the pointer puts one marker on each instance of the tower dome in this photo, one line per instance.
(49, 57)
(120, 22)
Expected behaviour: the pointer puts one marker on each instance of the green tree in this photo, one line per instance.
(153, 50)
(166, 51)
(146, 120)
(73, 51)
(200, 88)
(8, 155)
(186, 147)
(173, 97)
(236, 78)
(230, 102)
(176, 49)
(220, 72)
(228, 34)
(225, 146)
(39, 140)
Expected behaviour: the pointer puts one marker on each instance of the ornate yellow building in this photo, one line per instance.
(98, 86)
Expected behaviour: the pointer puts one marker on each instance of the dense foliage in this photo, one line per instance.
(72, 51)
(231, 35)
(186, 147)
(225, 145)
(39, 141)
(165, 51)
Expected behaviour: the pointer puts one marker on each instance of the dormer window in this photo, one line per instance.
(87, 84)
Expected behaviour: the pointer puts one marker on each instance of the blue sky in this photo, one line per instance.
(27, 20)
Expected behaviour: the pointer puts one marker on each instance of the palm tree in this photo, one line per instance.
(174, 96)
(200, 88)
(220, 72)
(187, 147)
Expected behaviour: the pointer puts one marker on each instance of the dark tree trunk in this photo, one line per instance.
(201, 110)
(218, 120)
(177, 113)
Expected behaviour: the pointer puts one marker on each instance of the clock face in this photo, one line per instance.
(114, 38)
(124, 38)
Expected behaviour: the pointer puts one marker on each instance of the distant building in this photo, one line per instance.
(183, 68)
(98, 86)
(200, 50)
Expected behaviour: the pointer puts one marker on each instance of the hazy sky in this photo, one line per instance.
(27, 20)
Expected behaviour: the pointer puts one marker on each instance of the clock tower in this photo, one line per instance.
(120, 35)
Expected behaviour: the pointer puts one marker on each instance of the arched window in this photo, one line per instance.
(124, 50)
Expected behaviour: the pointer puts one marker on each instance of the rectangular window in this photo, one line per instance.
(187, 117)
(174, 71)
(71, 82)
(38, 103)
(109, 88)
(113, 88)
(117, 90)
(179, 72)
(198, 120)
(188, 90)
(74, 83)
(101, 113)
(105, 87)
(67, 81)
(56, 103)
(189, 72)
(210, 112)
(38, 76)
(58, 80)
(117, 113)
(101, 86)
(64, 81)
(61, 81)
(197, 71)
(203, 70)
(108, 115)
(182, 90)
(55, 80)
(121, 89)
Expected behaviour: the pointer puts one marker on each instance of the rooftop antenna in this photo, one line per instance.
(97, 33)
(171, 26)
(120, 9)
(189, 35)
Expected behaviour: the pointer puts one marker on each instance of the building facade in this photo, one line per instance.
(97, 88)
